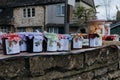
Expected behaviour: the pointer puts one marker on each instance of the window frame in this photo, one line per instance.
(53, 30)
(28, 12)
(61, 12)
(4, 29)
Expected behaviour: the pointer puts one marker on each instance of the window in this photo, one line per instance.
(33, 11)
(21, 29)
(5, 28)
(24, 13)
(60, 10)
(28, 12)
(53, 30)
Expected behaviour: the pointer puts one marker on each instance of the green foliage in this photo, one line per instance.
(83, 14)
(79, 12)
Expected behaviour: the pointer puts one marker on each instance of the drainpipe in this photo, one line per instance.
(66, 17)
(44, 29)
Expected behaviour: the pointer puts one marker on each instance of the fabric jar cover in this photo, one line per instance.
(34, 41)
(11, 43)
(52, 39)
(77, 41)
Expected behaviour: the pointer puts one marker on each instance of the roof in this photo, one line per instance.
(20, 3)
(89, 2)
(115, 25)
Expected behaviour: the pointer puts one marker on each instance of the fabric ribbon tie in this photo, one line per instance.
(51, 36)
(12, 37)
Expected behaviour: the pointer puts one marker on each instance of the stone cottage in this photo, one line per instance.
(23, 15)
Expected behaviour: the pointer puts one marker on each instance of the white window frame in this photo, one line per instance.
(25, 12)
(60, 7)
(53, 30)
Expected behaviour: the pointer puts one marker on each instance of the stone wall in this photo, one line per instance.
(98, 64)
(20, 21)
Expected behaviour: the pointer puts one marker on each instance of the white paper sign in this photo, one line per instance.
(71, 2)
(23, 45)
(66, 45)
(12, 48)
(61, 45)
(85, 42)
(51, 45)
(37, 45)
(94, 42)
(77, 44)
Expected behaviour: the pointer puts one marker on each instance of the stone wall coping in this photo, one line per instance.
(27, 55)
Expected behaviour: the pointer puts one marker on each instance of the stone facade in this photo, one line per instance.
(20, 21)
(99, 64)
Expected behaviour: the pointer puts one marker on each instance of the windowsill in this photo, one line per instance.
(59, 16)
(28, 17)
